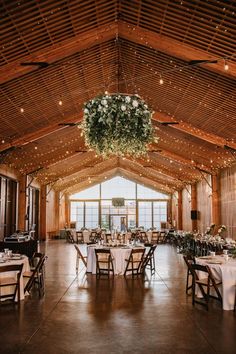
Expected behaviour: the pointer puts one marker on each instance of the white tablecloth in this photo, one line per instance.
(119, 256)
(26, 268)
(227, 273)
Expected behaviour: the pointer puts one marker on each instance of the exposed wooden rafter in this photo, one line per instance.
(191, 130)
(59, 51)
(173, 47)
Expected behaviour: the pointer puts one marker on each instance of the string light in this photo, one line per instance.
(60, 103)
(161, 81)
(22, 110)
(226, 66)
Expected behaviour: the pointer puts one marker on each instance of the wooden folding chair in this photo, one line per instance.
(205, 284)
(104, 264)
(69, 237)
(134, 262)
(80, 237)
(189, 260)
(80, 256)
(12, 279)
(155, 237)
(36, 277)
(149, 260)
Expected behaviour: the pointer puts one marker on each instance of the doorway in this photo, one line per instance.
(118, 222)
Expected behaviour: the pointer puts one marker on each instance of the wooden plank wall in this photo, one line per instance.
(187, 222)
(62, 212)
(228, 200)
(204, 200)
(52, 218)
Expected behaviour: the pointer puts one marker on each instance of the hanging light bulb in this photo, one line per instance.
(226, 66)
(60, 103)
(22, 110)
(161, 81)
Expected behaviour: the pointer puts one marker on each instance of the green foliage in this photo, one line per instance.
(117, 124)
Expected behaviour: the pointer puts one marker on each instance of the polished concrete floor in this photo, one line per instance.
(84, 315)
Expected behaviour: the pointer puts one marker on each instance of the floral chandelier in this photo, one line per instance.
(118, 124)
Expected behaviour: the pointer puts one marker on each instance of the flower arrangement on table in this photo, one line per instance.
(118, 124)
(210, 229)
(221, 230)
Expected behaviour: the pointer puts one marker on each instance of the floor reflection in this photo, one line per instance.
(114, 294)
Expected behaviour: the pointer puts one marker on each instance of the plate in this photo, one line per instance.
(15, 258)
(205, 257)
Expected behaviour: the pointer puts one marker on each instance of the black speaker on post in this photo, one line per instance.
(194, 214)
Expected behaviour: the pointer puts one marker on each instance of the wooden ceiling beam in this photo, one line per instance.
(41, 133)
(80, 177)
(161, 180)
(176, 175)
(145, 181)
(173, 48)
(86, 184)
(179, 159)
(191, 130)
(59, 51)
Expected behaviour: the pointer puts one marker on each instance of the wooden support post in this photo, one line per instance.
(216, 212)
(22, 203)
(57, 211)
(180, 211)
(194, 204)
(169, 213)
(67, 210)
(43, 213)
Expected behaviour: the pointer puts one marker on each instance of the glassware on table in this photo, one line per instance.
(226, 257)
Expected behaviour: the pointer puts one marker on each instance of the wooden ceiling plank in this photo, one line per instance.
(59, 51)
(191, 130)
(172, 47)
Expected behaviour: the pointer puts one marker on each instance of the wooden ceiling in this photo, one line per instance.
(84, 48)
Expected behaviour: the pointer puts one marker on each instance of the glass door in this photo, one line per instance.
(118, 222)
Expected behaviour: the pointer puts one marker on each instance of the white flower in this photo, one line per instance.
(123, 107)
(86, 110)
(127, 99)
(104, 102)
(135, 103)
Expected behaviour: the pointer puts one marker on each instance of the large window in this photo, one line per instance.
(159, 214)
(77, 214)
(145, 214)
(143, 206)
(91, 214)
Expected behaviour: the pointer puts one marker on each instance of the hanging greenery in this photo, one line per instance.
(117, 124)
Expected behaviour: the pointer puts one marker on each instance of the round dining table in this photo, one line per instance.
(225, 270)
(119, 256)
